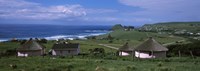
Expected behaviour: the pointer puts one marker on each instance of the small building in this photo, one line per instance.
(31, 48)
(64, 49)
(150, 49)
(126, 50)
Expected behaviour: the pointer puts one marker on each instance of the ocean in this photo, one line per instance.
(49, 32)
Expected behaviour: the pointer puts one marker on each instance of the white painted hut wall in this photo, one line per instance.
(22, 54)
(143, 55)
(54, 52)
(124, 54)
(30, 53)
(161, 54)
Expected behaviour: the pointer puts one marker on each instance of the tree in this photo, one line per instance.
(43, 40)
(22, 41)
(109, 37)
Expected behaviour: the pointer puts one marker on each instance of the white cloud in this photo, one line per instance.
(166, 10)
(101, 11)
(105, 19)
(21, 9)
(115, 19)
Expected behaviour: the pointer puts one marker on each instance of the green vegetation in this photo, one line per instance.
(120, 27)
(136, 37)
(79, 63)
(117, 27)
(173, 26)
(101, 58)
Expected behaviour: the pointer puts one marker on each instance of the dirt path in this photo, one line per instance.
(108, 46)
(172, 42)
(105, 45)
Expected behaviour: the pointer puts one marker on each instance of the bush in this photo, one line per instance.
(82, 69)
(62, 57)
(130, 68)
(110, 41)
(161, 69)
(43, 40)
(100, 69)
(165, 69)
(13, 66)
(99, 61)
(70, 67)
(54, 69)
(160, 64)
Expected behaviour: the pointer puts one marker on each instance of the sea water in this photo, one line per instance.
(50, 32)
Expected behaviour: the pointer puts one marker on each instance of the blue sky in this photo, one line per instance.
(98, 12)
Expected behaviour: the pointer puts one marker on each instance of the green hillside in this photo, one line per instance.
(189, 26)
(136, 37)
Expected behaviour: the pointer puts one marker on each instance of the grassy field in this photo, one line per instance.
(85, 45)
(135, 38)
(93, 63)
(79, 63)
(109, 62)
(189, 26)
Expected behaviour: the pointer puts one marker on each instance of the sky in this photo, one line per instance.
(98, 12)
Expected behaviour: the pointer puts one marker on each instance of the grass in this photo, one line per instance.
(93, 63)
(90, 64)
(177, 26)
(85, 45)
(8, 45)
(105, 63)
(135, 38)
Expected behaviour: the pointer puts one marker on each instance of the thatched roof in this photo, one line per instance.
(126, 47)
(151, 45)
(30, 45)
(62, 46)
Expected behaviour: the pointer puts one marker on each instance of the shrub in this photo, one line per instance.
(54, 69)
(110, 41)
(70, 67)
(100, 69)
(22, 70)
(130, 68)
(99, 61)
(62, 57)
(161, 69)
(82, 69)
(160, 64)
(167, 60)
(196, 63)
(13, 66)
(164, 69)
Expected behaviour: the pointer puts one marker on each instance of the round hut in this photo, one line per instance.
(30, 48)
(150, 49)
(125, 50)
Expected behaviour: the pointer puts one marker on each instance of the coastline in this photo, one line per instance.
(56, 37)
(50, 32)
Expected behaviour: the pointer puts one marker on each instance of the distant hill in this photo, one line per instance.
(121, 27)
(173, 23)
(173, 26)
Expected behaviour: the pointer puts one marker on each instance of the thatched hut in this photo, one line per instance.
(125, 50)
(64, 49)
(150, 49)
(31, 48)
